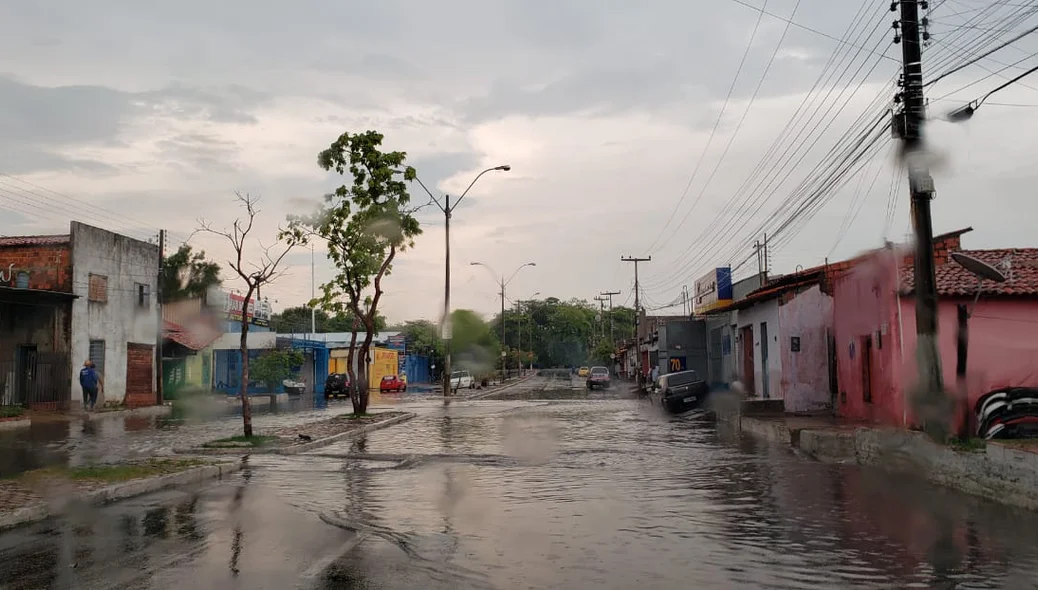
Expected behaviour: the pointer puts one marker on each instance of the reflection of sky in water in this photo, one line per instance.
(550, 494)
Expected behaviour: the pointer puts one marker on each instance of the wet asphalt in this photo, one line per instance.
(544, 486)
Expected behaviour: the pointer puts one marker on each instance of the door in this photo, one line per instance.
(764, 360)
(25, 372)
(207, 369)
(746, 338)
(833, 378)
(140, 359)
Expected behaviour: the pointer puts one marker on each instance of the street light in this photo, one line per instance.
(519, 304)
(503, 283)
(965, 112)
(448, 209)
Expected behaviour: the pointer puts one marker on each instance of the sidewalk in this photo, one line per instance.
(1003, 471)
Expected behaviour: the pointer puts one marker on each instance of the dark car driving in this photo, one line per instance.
(337, 385)
(682, 391)
(598, 377)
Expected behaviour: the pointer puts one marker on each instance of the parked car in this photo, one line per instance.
(337, 385)
(293, 387)
(392, 383)
(462, 380)
(583, 372)
(598, 377)
(680, 392)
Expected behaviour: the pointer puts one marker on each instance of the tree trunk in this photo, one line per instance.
(246, 407)
(365, 350)
(354, 380)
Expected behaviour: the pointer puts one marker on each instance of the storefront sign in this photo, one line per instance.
(232, 303)
(713, 290)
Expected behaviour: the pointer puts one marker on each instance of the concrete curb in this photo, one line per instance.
(143, 411)
(13, 424)
(299, 448)
(497, 390)
(121, 491)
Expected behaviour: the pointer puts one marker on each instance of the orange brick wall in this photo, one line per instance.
(49, 267)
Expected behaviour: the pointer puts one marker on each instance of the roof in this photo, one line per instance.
(775, 289)
(35, 240)
(955, 280)
(195, 338)
(32, 296)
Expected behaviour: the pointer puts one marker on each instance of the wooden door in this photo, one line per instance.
(746, 338)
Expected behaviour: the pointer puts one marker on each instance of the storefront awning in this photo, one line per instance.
(33, 296)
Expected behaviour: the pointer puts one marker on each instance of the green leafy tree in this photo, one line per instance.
(297, 320)
(275, 366)
(475, 346)
(366, 224)
(187, 274)
(423, 337)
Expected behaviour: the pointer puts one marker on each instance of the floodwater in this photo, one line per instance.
(547, 489)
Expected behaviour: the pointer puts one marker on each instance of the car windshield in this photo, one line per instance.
(389, 377)
(600, 371)
(682, 378)
(460, 374)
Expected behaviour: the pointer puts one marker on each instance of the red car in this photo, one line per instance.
(392, 383)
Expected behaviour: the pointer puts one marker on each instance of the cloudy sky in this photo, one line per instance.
(631, 128)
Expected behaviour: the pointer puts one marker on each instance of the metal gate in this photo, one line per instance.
(36, 379)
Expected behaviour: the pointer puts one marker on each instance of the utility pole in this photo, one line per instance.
(446, 329)
(909, 122)
(612, 333)
(158, 305)
(504, 346)
(601, 316)
(637, 313)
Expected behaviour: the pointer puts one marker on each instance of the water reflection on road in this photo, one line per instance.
(599, 493)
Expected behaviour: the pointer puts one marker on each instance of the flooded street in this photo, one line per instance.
(549, 488)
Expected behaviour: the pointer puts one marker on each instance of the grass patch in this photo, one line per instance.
(11, 411)
(113, 473)
(973, 444)
(354, 416)
(256, 440)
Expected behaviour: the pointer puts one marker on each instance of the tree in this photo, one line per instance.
(365, 224)
(277, 365)
(475, 345)
(255, 274)
(187, 274)
(423, 337)
(297, 320)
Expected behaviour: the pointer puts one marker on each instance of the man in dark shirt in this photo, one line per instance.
(90, 381)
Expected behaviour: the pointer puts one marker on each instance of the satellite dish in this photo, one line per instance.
(978, 267)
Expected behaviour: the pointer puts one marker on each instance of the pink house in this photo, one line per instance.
(874, 328)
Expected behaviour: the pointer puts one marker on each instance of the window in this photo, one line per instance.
(143, 296)
(22, 280)
(98, 288)
(97, 355)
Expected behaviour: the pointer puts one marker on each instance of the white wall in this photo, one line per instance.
(126, 262)
(767, 311)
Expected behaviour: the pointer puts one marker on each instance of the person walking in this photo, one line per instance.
(91, 382)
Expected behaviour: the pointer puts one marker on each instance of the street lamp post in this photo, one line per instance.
(503, 283)
(448, 209)
(519, 310)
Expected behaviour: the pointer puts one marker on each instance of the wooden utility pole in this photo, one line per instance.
(909, 123)
(637, 313)
(612, 333)
(158, 305)
(601, 316)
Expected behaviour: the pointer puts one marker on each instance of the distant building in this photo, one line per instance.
(88, 294)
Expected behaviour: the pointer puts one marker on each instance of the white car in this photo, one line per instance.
(462, 380)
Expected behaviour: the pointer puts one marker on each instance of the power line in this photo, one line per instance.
(717, 123)
(735, 132)
(809, 101)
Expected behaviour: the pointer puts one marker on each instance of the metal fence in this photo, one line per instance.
(35, 379)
